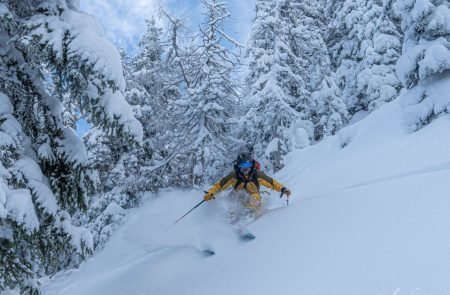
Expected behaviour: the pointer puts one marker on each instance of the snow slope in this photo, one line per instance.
(369, 215)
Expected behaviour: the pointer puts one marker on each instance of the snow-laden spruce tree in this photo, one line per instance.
(42, 165)
(178, 68)
(270, 99)
(291, 87)
(52, 63)
(125, 172)
(148, 93)
(203, 112)
(331, 9)
(425, 60)
(112, 166)
(154, 83)
(324, 107)
(365, 44)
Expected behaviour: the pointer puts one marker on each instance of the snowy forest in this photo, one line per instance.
(175, 114)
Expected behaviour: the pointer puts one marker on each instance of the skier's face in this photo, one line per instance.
(245, 167)
(245, 171)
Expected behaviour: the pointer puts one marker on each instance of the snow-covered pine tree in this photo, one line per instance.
(291, 84)
(155, 78)
(88, 66)
(124, 173)
(203, 112)
(146, 74)
(146, 92)
(84, 67)
(112, 167)
(324, 108)
(153, 85)
(331, 8)
(37, 235)
(271, 105)
(47, 67)
(90, 70)
(425, 58)
(328, 112)
(365, 44)
(180, 65)
(179, 56)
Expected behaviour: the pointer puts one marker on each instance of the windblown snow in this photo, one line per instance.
(369, 215)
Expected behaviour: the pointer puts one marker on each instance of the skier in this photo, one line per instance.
(247, 178)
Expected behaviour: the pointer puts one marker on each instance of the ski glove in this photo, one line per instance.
(208, 197)
(286, 192)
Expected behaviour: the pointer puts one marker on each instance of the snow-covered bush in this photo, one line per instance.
(425, 60)
(106, 213)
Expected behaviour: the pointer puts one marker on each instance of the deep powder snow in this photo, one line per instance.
(369, 215)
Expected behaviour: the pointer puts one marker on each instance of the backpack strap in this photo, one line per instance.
(254, 178)
(241, 179)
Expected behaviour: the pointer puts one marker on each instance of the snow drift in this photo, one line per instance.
(369, 215)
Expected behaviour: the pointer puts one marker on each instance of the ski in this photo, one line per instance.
(209, 252)
(247, 236)
(244, 234)
(205, 252)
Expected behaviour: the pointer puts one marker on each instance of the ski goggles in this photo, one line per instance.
(245, 165)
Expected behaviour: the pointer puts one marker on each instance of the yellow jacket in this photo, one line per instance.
(249, 183)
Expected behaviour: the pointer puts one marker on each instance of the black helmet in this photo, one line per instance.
(250, 149)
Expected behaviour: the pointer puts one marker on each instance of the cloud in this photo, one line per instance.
(124, 21)
(244, 13)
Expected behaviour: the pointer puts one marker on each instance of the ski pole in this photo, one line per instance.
(287, 198)
(179, 219)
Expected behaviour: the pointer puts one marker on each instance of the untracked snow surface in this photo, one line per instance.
(370, 214)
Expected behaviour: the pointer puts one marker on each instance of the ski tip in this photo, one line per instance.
(209, 252)
(247, 237)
